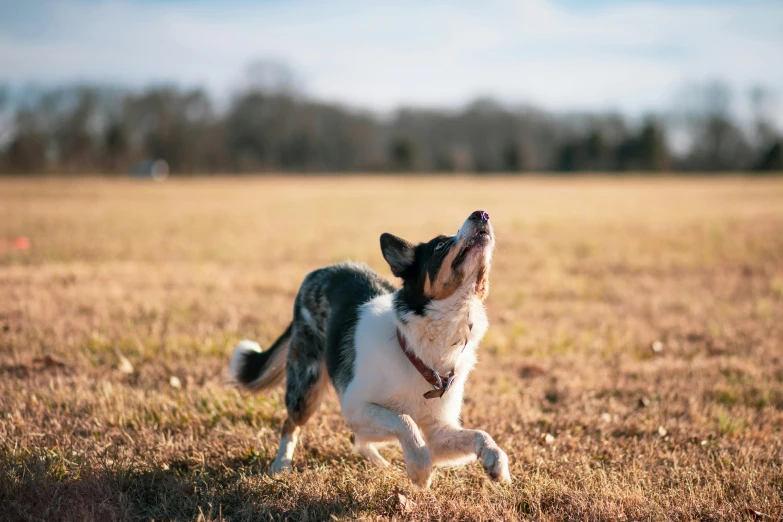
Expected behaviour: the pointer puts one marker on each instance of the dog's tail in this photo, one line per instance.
(257, 370)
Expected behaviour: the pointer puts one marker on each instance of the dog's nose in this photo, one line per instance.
(479, 215)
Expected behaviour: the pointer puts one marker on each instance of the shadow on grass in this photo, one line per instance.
(41, 488)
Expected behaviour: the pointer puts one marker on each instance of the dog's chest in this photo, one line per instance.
(385, 376)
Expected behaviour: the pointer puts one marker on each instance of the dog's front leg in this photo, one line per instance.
(372, 422)
(453, 445)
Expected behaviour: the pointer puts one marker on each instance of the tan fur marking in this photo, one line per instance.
(482, 282)
(427, 285)
(446, 282)
(312, 398)
(289, 427)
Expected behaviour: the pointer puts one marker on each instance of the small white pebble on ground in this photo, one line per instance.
(175, 382)
(606, 417)
(662, 431)
(657, 346)
(124, 365)
(549, 439)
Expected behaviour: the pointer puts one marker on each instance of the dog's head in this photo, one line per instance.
(435, 270)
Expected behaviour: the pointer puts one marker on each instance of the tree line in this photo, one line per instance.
(272, 128)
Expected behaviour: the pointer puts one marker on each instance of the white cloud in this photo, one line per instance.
(629, 55)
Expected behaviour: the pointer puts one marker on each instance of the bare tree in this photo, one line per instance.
(270, 125)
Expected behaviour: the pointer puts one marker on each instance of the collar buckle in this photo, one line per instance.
(440, 383)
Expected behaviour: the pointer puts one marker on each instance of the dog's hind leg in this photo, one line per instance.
(288, 439)
(305, 381)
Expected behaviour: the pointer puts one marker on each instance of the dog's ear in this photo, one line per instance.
(397, 252)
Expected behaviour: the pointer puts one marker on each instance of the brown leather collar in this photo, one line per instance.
(440, 383)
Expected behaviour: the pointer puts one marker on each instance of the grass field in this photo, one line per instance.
(116, 326)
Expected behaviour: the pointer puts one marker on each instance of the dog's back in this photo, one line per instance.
(326, 312)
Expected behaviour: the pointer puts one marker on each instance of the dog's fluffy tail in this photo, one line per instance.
(257, 370)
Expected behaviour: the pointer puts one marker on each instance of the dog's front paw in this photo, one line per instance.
(418, 463)
(495, 462)
(280, 466)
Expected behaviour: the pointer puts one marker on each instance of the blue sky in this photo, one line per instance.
(560, 54)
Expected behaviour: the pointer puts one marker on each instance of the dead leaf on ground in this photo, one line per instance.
(171, 483)
(529, 371)
(48, 361)
(42, 362)
(406, 504)
(758, 515)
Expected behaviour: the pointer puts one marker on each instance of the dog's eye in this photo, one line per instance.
(440, 245)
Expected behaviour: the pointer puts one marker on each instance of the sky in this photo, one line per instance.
(562, 55)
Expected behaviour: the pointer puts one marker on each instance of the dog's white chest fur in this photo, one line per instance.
(383, 374)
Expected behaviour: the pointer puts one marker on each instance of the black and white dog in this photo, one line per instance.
(398, 359)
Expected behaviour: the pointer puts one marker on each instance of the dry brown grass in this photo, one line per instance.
(588, 274)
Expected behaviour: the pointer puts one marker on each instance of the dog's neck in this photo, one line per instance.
(445, 336)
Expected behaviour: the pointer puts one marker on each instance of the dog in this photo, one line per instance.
(398, 358)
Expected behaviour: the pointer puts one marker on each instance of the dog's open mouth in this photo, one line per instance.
(480, 238)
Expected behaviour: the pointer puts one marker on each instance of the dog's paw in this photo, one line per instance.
(418, 463)
(280, 466)
(495, 463)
